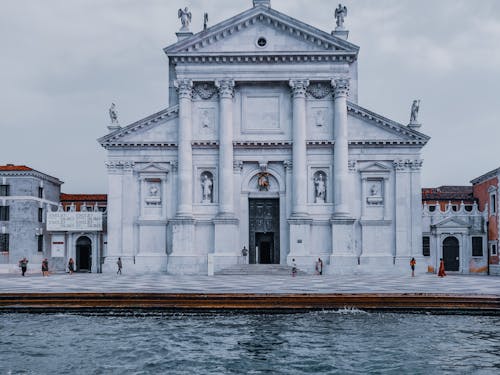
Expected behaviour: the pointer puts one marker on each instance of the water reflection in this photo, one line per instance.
(309, 343)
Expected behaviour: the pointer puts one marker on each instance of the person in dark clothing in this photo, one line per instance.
(23, 263)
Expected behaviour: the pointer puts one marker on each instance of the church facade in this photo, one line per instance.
(263, 147)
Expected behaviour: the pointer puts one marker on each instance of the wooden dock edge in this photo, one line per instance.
(286, 303)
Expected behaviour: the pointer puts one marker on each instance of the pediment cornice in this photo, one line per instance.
(113, 139)
(324, 42)
(411, 136)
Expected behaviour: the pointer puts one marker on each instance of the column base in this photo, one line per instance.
(226, 235)
(217, 262)
(299, 237)
(343, 236)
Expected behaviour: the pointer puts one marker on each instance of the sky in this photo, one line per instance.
(62, 63)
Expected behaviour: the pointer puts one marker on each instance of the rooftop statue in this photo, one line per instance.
(205, 21)
(414, 111)
(340, 14)
(113, 114)
(185, 16)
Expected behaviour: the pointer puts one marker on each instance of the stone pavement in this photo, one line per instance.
(161, 283)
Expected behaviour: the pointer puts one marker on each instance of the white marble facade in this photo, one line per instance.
(263, 107)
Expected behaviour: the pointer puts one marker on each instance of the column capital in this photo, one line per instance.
(340, 87)
(299, 87)
(225, 87)
(184, 87)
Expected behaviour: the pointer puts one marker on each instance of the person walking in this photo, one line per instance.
(413, 262)
(71, 266)
(23, 263)
(45, 267)
(294, 268)
(319, 267)
(441, 272)
(119, 264)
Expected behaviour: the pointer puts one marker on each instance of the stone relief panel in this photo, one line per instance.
(153, 189)
(206, 122)
(263, 182)
(204, 91)
(374, 192)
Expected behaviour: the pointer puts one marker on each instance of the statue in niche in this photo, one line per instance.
(319, 118)
(375, 196)
(205, 119)
(374, 190)
(185, 16)
(414, 111)
(319, 188)
(153, 191)
(113, 114)
(205, 21)
(263, 181)
(340, 15)
(206, 188)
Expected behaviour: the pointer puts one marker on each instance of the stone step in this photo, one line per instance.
(258, 269)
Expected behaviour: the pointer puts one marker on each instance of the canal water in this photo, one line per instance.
(345, 342)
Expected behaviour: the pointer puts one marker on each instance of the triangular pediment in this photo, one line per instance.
(451, 222)
(367, 127)
(283, 34)
(152, 168)
(375, 167)
(157, 129)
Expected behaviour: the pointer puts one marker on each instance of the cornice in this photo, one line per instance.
(32, 173)
(269, 16)
(485, 177)
(113, 138)
(416, 137)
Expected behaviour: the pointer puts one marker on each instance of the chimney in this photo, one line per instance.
(266, 3)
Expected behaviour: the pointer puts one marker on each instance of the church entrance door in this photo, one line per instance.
(83, 254)
(451, 254)
(264, 231)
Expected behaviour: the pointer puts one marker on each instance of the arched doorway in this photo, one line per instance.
(83, 254)
(451, 254)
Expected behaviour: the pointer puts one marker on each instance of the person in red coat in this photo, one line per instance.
(441, 272)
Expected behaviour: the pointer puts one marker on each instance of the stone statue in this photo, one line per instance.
(340, 14)
(206, 187)
(113, 114)
(414, 111)
(374, 190)
(185, 16)
(205, 21)
(320, 189)
(153, 191)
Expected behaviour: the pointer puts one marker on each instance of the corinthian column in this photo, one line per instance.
(226, 193)
(184, 153)
(340, 150)
(299, 151)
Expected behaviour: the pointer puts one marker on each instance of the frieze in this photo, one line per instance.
(319, 90)
(237, 166)
(352, 165)
(204, 90)
(120, 164)
(288, 164)
(403, 165)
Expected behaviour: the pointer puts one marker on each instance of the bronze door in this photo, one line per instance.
(264, 229)
(451, 254)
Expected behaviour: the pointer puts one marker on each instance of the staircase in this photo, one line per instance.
(259, 269)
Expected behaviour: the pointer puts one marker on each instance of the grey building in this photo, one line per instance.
(25, 197)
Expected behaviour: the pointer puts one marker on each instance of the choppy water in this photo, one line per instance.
(308, 343)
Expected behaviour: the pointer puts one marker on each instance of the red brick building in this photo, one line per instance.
(485, 190)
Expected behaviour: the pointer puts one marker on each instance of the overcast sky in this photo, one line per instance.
(62, 62)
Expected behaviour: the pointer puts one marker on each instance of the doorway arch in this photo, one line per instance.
(451, 254)
(83, 254)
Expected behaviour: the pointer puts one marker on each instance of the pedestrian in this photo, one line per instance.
(294, 268)
(412, 265)
(71, 266)
(119, 264)
(441, 272)
(319, 267)
(23, 263)
(45, 267)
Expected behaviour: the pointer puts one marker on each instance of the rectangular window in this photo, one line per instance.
(40, 243)
(4, 213)
(4, 242)
(426, 246)
(40, 192)
(40, 215)
(4, 190)
(477, 246)
(493, 208)
(493, 249)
